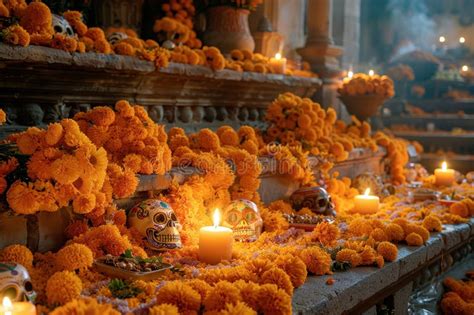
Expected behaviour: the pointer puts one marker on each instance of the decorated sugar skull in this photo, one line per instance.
(156, 221)
(62, 26)
(116, 37)
(243, 217)
(315, 198)
(15, 283)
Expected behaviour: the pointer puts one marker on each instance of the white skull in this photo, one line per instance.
(15, 282)
(116, 37)
(156, 221)
(243, 217)
(62, 26)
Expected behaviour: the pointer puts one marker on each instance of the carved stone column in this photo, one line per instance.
(320, 50)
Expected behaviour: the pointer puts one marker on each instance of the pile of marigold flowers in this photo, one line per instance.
(363, 84)
(460, 295)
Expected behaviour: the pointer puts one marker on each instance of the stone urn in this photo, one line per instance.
(228, 28)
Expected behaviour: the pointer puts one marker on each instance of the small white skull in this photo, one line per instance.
(116, 37)
(315, 198)
(243, 217)
(15, 283)
(62, 26)
(156, 221)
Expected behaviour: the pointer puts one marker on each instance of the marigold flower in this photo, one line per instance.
(432, 224)
(460, 209)
(294, 267)
(259, 266)
(37, 18)
(379, 235)
(85, 306)
(64, 42)
(104, 239)
(394, 232)
(208, 140)
(76, 228)
(418, 229)
(200, 287)
(414, 239)
(22, 199)
(221, 294)
(325, 233)
(16, 35)
(63, 287)
(240, 308)
(73, 257)
(316, 260)
(350, 256)
(164, 309)
(229, 137)
(388, 250)
(273, 301)
(17, 254)
(279, 277)
(179, 294)
(84, 203)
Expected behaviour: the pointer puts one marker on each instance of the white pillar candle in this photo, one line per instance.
(366, 204)
(215, 242)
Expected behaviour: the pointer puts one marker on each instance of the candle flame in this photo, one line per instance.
(464, 68)
(371, 72)
(277, 56)
(462, 40)
(367, 192)
(442, 39)
(350, 74)
(7, 303)
(444, 166)
(216, 218)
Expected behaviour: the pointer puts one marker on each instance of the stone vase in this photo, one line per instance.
(228, 28)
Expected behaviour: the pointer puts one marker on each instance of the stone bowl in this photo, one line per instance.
(363, 106)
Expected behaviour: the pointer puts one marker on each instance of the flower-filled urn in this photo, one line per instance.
(156, 221)
(243, 217)
(15, 283)
(316, 198)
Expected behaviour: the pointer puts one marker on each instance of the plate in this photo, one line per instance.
(116, 272)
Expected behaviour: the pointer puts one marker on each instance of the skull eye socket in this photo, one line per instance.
(11, 292)
(322, 203)
(159, 218)
(58, 29)
(249, 216)
(28, 286)
(173, 217)
(233, 217)
(69, 31)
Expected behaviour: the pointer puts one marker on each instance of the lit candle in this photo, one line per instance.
(366, 204)
(464, 68)
(371, 72)
(444, 175)
(215, 242)
(462, 40)
(350, 74)
(442, 39)
(278, 63)
(16, 308)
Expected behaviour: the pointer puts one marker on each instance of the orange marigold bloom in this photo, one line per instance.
(124, 183)
(86, 306)
(432, 223)
(104, 239)
(460, 209)
(379, 235)
(101, 116)
(63, 287)
(76, 228)
(22, 199)
(414, 239)
(229, 137)
(164, 309)
(221, 294)
(73, 257)
(180, 294)
(326, 233)
(84, 203)
(17, 254)
(53, 134)
(16, 35)
(418, 229)
(8, 166)
(349, 256)
(317, 260)
(259, 266)
(279, 277)
(64, 42)
(272, 300)
(240, 308)
(394, 232)
(37, 18)
(388, 250)
(3, 184)
(200, 287)
(208, 140)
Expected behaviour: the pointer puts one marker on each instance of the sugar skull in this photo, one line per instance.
(156, 221)
(243, 217)
(315, 198)
(62, 26)
(368, 180)
(15, 283)
(116, 37)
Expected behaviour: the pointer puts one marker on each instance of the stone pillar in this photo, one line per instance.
(321, 52)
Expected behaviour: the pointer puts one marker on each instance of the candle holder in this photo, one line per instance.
(363, 106)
